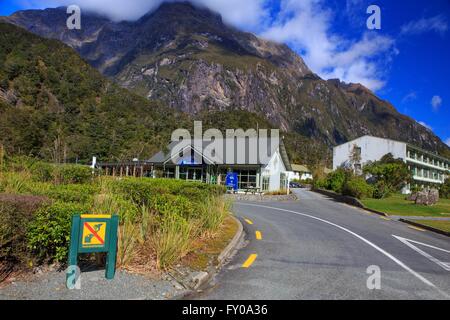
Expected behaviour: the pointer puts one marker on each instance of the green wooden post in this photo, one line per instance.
(73, 249)
(112, 252)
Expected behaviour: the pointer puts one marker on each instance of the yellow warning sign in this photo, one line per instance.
(93, 234)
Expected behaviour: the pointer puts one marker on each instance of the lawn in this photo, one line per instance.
(441, 225)
(397, 205)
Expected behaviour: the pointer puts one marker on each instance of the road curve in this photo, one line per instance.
(316, 248)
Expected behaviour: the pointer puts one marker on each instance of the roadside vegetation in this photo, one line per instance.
(382, 191)
(441, 225)
(397, 204)
(159, 219)
(387, 176)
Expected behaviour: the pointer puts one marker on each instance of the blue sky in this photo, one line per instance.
(406, 62)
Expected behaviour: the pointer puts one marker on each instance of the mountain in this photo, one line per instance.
(189, 59)
(56, 106)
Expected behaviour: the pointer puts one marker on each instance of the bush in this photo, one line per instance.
(49, 233)
(390, 175)
(83, 193)
(109, 203)
(67, 174)
(445, 189)
(16, 213)
(42, 171)
(336, 180)
(381, 190)
(320, 183)
(357, 187)
(143, 191)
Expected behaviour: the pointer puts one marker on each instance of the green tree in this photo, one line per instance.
(390, 175)
(445, 189)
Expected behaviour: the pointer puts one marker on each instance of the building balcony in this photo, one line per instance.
(426, 164)
(424, 179)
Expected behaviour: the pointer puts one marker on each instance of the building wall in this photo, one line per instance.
(372, 149)
(299, 176)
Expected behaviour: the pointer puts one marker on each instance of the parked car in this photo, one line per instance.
(295, 185)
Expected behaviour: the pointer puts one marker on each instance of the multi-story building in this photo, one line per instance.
(428, 169)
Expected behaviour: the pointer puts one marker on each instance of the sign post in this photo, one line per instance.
(92, 234)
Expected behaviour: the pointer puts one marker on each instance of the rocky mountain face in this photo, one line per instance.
(189, 59)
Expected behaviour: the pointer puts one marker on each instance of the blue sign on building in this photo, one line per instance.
(232, 180)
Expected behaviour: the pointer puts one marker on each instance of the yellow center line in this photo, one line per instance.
(417, 228)
(384, 218)
(248, 221)
(258, 235)
(250, 261)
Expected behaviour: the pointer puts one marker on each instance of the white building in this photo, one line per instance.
(427, 168)
(269, 175)
(300, 172)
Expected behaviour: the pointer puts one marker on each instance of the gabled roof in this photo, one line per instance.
(164, 157)
(285, 157)
(300, 168)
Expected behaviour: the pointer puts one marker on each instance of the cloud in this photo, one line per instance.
(306, 25)
(437, 24)
(436, 103)
(409, 97)
(248, 13)
(425, 125)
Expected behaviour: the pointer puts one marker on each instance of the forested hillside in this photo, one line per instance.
(55, 106)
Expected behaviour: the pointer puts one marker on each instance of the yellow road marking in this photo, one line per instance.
(417, 228)
(248, 221)
(249, 261)
(258, 235)
(384, 218)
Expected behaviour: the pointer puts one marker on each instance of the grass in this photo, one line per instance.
(441, 225)
(206, 250)
(397, 205)
(160, 220)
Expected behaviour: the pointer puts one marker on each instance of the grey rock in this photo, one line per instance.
(427, 197)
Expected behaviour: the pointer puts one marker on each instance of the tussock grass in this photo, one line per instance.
(159, 218)
(171, 239)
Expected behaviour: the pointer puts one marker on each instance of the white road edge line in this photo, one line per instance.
(387, 254)
(443, 265)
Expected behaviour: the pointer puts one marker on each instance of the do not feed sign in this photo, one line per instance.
(91, 234)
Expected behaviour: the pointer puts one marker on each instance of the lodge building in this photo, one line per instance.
(428, 169)
(191, 164)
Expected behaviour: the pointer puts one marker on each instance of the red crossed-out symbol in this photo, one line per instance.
(94, 233)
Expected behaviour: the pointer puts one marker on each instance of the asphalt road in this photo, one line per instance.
(316, 248)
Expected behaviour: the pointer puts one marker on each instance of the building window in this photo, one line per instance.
(246, 178)
(169, 173)
(193, 174)
(265, 183)
(283, 181)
